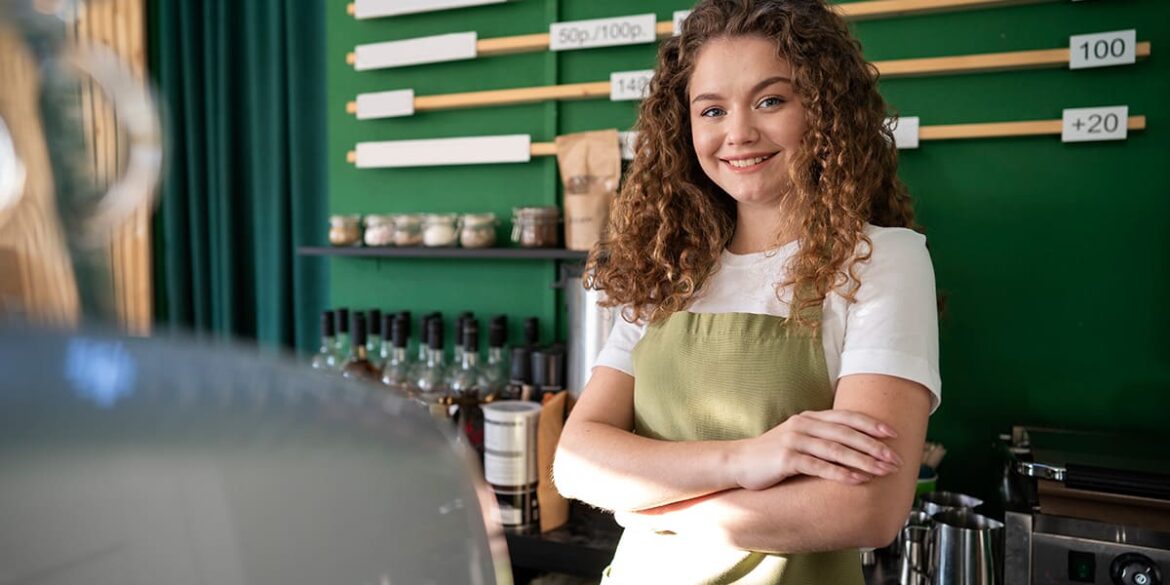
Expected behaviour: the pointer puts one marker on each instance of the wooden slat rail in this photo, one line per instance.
(120, 26)
(983, 63)
(940, 132)
(874, 9)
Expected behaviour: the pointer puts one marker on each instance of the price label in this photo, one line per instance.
(1092, 124)
(629, 85)
(1103, 49)
(679, 17)
(602, 32)
(905, 131)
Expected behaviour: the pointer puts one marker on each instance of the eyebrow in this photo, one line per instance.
(757, 88)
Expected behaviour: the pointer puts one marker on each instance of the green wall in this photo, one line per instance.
(1053, 257)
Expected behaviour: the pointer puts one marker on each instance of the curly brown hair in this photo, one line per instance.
(671, 222)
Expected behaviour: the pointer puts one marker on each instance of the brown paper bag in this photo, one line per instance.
(554, 509)
(591, 166)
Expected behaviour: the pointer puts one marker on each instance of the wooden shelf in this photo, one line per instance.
(925, 133)
(962, 64)
(537, 42)
(467, 253)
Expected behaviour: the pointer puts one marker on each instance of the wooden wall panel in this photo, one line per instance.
(36, 258)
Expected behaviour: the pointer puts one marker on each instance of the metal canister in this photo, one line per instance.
(589, 327)
(510, 464)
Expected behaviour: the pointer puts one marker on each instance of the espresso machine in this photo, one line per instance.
(1084, 507)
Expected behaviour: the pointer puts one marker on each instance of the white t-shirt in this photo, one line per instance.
(892, 329)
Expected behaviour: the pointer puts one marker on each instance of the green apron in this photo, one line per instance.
(701, 377)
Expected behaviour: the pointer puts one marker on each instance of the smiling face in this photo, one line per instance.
(745, 118)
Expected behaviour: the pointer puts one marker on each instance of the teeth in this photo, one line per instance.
(748, 162)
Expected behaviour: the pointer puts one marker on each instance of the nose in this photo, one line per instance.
(741, 129)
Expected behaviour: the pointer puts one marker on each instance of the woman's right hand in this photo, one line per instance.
(838, 445)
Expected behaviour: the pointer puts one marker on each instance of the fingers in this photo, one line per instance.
(859, 421)
(854, 430)
(839, 453)
(817, 467)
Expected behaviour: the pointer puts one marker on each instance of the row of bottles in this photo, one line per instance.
(374, 347)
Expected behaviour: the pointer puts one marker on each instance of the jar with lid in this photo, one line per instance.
(440, 230)
(345, 230)
(478, 230)
(408, 230)
(379, 230)
(535, 227)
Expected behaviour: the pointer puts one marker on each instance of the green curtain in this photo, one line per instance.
(242, 88)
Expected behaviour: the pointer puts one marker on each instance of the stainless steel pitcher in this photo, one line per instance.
(966, 549)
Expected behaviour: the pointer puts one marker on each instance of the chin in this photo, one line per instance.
(755, 196)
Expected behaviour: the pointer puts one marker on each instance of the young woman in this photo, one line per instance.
(760, 412)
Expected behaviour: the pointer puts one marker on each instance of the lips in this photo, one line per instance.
(748, 162)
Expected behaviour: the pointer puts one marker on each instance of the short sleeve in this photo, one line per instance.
(617, 353)
(892, 329)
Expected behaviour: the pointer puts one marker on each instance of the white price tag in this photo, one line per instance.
(379, 8)
(423, 50)
(905, 131)
(602, 32)
(679, 17)
(385, 104)
(1103, 49)
(1092, 124)
(629, 85)
(475, 150)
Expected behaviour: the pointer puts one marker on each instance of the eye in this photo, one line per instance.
(770, 102)
(712, 112)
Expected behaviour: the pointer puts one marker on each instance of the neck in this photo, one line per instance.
(759, 228)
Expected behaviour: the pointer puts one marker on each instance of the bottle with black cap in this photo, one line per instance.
(466, 388)
(432, 379)
(457, 352)
(324, 359)
(520, 375)
(405, 317)
(374, 335)
(341, 341)
(396, 371)
(424, 346)
(385, 350)
(465, 375)
(495, 372)
(358, 365)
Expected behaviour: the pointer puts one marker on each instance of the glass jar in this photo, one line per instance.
(440, 230)
(408, 230)
(379, 230)
(345, 230)
(478, 230)
(535, 227)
